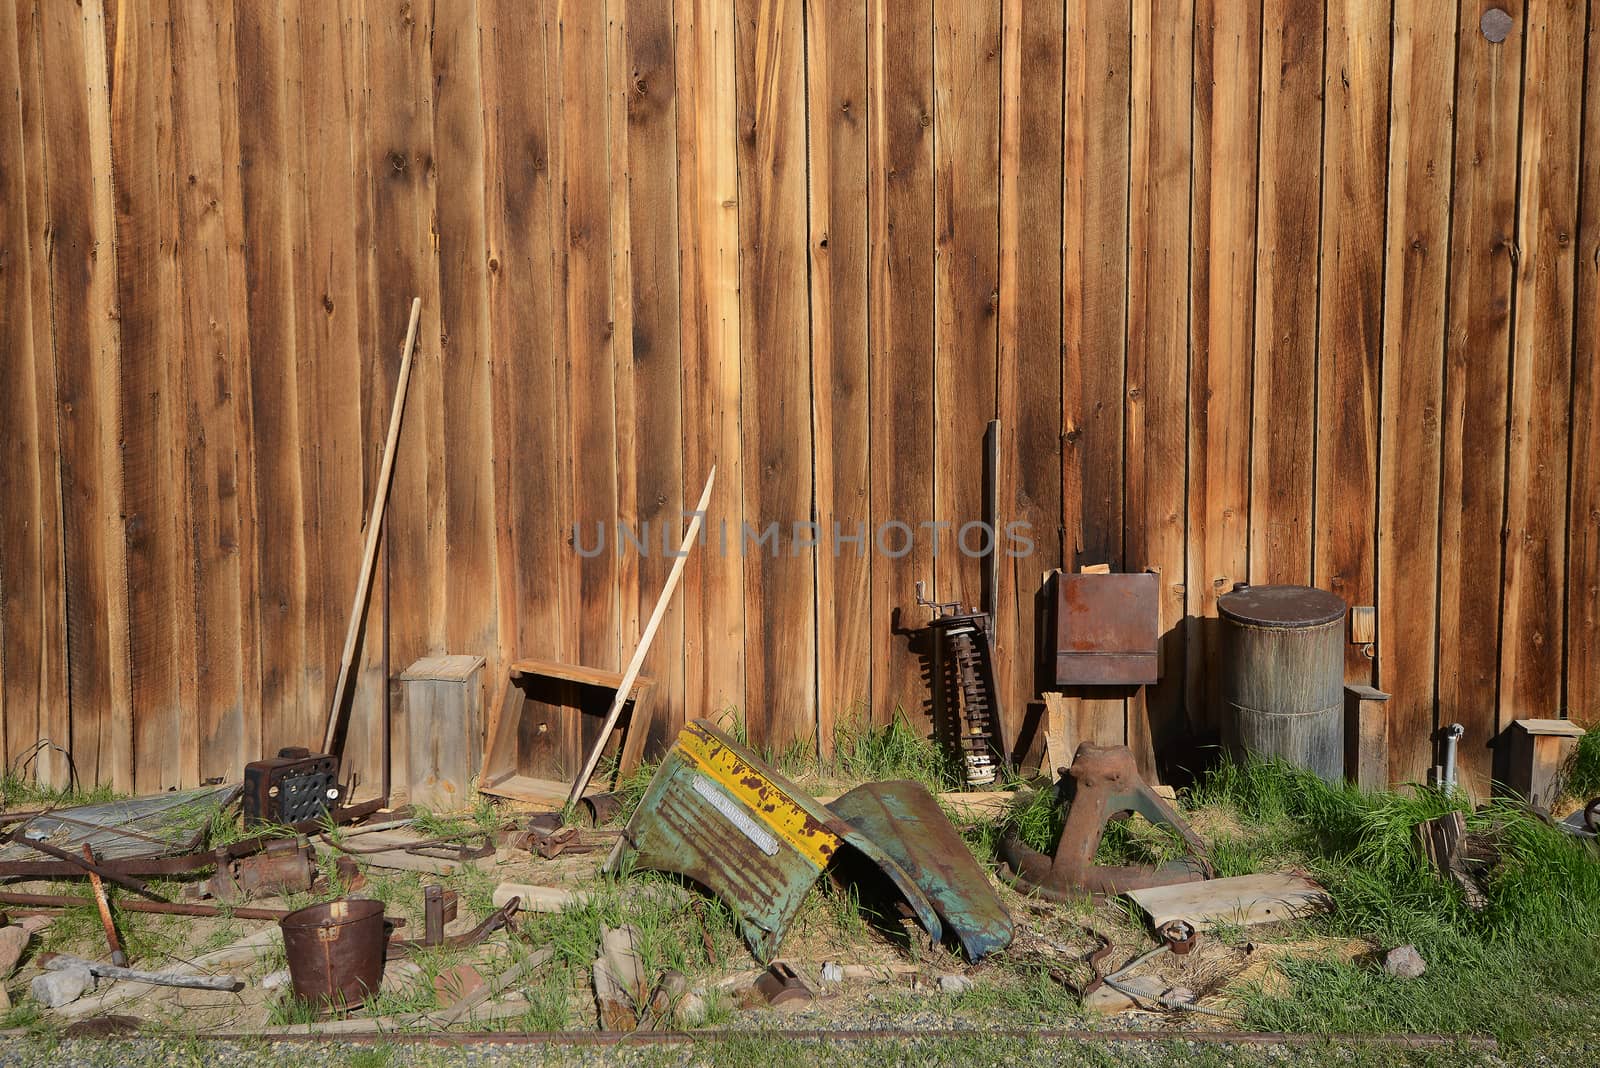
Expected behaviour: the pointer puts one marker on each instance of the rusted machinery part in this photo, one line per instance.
(601, 807)
(1107, 786)
(780, 986)
(686, 1038)
(500, 917)
(1179, 936)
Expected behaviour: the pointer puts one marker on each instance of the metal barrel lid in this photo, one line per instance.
(1281, 606)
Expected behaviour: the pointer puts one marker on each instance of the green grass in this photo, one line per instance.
(1525, 966)
(864, 752)
(1583, 770)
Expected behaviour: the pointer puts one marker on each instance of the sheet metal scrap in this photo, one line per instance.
(716, 814)
(905, 821)
(161, 825)
(1107, 786)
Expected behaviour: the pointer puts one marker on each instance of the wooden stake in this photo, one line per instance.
(374, 524)
(634, 665)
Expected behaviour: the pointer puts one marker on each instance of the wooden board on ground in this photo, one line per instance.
(1242, 901)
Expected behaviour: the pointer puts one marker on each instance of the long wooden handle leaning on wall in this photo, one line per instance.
(632, 674)
(374, 524)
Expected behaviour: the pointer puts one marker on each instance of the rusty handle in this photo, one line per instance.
(118, 957)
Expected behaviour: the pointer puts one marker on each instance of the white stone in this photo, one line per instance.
(57, 988)
(1404, 962)
(954, 984)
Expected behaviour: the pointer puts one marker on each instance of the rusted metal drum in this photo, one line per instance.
(335, 951)
(1283, 675)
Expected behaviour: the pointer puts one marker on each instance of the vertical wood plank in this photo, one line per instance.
(33, 681)
(1583, 508)
(1350, 327)
(1413, 368)
(1094, 307)
(212, 719)
(1158, 334)
(780, 581)
(1227, 51)
(708, 227)
(328, 281)
(396, 151)
(264, 109)
(649, 83)
(966, 69)
(1531, 627)
(1483, 228)
(520, 72)
(81, 223)
(224, 743)
(900, 330)
(836, 77)
(1283, 416)
(586, 239)
(152, 399)
(1030, 342)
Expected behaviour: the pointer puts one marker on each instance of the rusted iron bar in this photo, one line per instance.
(88, 864)
(165, 908)
(684, 1038)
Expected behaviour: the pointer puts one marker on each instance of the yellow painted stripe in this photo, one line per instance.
(786, 819)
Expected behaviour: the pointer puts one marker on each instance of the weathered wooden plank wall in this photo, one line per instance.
(1286, 290)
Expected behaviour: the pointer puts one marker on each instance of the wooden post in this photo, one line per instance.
(1366, 737)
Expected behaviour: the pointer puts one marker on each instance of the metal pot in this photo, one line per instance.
(335, 951)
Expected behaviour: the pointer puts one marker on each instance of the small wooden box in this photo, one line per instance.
(1536, 751)
(549, 721)
(443, 697)
(1108, 629)
(1366, 737)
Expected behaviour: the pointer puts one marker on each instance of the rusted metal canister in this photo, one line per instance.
(1283, 675)
(335, 951)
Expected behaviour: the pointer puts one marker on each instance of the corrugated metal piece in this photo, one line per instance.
(161, 825)
(905, 820)
(716, 814)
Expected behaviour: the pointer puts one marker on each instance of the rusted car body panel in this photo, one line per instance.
(717, 815)
(905, 821)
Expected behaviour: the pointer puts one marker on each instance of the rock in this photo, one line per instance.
(1404, 962)
(457, 982)
(832, 972)
(690, 1010)
(13, 940)
(275, 980)
(1181, 993)
(55, 989)
(954, 984)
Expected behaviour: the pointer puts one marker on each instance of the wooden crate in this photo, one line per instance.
(550, 719)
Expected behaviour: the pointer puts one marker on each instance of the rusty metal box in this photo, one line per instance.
(1108, 630)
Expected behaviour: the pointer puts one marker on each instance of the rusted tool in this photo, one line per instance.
(163, 908)
(500, 917)
(61, 961)
(1106, 786)
(438, 909)
(455, 847)
(118, 957)
(781, 988)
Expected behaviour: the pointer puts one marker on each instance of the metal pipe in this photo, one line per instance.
(1452, 735)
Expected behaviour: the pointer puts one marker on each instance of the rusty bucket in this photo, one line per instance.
(335, 951)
